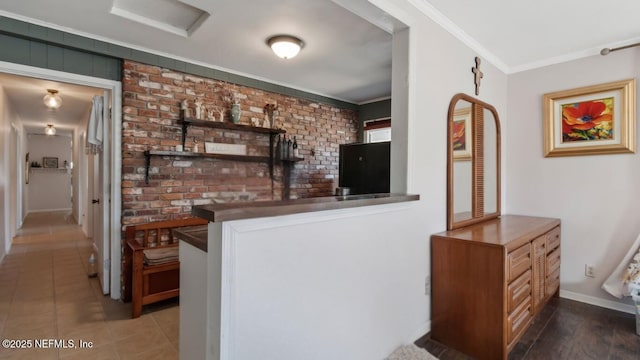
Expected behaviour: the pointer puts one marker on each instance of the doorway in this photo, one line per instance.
(107, 234)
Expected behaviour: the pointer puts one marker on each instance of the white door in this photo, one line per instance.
(100, 201)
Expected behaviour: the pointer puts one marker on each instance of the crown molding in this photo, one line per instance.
(439, 18)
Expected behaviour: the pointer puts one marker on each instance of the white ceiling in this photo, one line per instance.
(25, 95)
(345, 57)
(521, 35)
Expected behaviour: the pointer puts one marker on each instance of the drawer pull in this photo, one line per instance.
(519, 261)
(518, 290)
(553, 239)
(518, 321)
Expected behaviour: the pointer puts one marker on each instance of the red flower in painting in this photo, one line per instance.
(459, 137)
(584, 116)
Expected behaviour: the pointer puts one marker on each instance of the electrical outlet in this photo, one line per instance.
(427, 285)
(589, 271)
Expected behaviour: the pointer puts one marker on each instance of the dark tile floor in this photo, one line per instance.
(566, 329)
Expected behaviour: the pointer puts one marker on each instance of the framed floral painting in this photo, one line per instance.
(461, 136)
(598, 119)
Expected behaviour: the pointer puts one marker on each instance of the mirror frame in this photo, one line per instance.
(477, 160)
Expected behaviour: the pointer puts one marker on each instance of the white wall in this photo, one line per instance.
(14, 177)
(84, 207)
(25, 187)
(596, 197)
(10, 180)
(49, 190)
(5, 238)
(324, 285)
(78, 152)
(440, 66)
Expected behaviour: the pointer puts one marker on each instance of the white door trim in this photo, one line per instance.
(115, 150)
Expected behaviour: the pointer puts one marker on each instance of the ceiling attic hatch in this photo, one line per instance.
(171, 16)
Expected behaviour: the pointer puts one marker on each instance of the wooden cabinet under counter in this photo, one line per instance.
(489, 280)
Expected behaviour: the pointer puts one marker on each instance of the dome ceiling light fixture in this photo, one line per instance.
(52, 100)
(50, 130)
(285, 46)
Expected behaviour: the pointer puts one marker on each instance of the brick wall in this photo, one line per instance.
(151, 106)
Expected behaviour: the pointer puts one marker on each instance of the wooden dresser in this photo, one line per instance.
(490, 279)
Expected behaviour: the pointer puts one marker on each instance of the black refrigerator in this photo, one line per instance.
(365, 168)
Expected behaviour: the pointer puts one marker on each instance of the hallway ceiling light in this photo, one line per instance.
(52, 100)
(50, 130)
(285, 46)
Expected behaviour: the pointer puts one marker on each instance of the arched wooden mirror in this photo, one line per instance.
(473, 164)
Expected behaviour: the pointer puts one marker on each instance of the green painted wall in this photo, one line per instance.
(38, 54)
(375, 110)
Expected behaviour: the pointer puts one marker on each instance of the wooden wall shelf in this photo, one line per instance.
(150, 153)
(228, 125)
(293, 159)
(48, 170)
(186, 122)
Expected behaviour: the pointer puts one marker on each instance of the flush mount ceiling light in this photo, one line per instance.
(50, 130)
(285, 46)
(52, 100)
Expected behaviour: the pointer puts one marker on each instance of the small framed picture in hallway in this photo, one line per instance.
(50, 162)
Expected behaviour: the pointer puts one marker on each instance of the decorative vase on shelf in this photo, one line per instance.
(235, 113)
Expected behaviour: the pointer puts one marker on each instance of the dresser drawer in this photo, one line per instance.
(553, 261)
(553, 239)
(552, 282)
(518, 261)
(518, 320)
(518, 290)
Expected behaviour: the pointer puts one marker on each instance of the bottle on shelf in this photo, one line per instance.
(279, 148)
(295, 148)
(283, 148)
(289, 148)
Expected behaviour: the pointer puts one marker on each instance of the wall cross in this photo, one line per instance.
(477, 75)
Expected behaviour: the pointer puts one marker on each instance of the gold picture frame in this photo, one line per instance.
(461, 137)
(591, 120)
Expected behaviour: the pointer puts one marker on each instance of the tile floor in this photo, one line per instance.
(45, 293)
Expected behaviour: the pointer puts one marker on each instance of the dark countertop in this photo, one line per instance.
(194, 235)
(240, 211)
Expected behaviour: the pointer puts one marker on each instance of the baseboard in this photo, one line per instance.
(424, 329)
(592, 300)
(47, 210)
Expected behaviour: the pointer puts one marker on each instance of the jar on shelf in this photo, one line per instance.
(235, 113)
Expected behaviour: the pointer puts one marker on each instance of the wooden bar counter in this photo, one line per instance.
(241, 211)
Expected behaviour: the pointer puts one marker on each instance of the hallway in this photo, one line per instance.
(45, 294)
